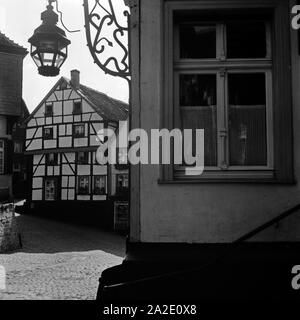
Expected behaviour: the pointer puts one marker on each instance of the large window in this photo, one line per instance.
(1, 156)
(227, 92)
(226, 79)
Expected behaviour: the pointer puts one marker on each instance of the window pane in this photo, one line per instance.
(49, 109)
(197, 90)
(50, 190)
(100, 185)
(247, 120)
(198, 111)
(246, 39)
(197, 41)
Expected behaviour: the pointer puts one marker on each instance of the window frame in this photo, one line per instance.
(78, 136)
(47, 112)
(94, 185)
(123, 189)
(77, 112)
(16, 167)
(20, 144)
(50, 137)
(78, 186)
(56, 189)
(87, 156)
(51, 163)
(281, 84)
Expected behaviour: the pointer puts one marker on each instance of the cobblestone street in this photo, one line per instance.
(59, 261)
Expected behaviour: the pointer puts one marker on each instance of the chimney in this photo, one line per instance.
(75, 79)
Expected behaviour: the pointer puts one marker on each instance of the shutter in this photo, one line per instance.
(8, 156)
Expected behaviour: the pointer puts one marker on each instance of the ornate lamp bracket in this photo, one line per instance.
(97, 17)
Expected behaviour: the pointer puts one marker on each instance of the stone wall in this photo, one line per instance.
(9, 233)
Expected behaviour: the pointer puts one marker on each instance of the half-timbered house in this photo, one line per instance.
(62, 137)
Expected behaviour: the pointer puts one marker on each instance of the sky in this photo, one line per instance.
(19, 19)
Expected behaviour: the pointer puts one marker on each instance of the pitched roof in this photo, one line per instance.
(9, 46)
(108, 108)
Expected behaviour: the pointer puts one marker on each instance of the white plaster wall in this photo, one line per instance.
(37, 183)
(37, 195)
(202, 213)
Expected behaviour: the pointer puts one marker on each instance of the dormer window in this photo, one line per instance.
(48, 133)
(49, 109)
(79, 130)
(77, 107)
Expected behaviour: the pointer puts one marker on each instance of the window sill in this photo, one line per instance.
(245, 177)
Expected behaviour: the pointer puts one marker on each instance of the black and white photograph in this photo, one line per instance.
(150, 157)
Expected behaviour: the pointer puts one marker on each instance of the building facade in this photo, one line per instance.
(12, 111)
(62, 137)
(230, 67)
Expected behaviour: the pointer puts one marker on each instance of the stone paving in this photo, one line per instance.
(59, 261)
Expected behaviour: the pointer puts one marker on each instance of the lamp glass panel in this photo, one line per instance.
(37, 60)
(47, 58)
(59, 60)
(48, 45)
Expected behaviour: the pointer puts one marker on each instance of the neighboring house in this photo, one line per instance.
(61, 136)
(12, 112)
(21, 164)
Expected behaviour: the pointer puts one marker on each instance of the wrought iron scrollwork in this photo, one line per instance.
(95, 20)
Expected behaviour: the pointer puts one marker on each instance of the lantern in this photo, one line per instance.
(49, 45)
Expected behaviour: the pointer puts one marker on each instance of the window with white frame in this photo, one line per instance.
(223, 73)
(83, 187)
(226, 70)
(2, 156)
